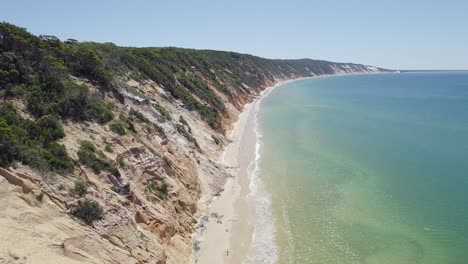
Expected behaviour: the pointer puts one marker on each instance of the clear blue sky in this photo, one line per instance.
(398, 34)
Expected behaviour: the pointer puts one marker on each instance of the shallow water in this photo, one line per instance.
(367, 168)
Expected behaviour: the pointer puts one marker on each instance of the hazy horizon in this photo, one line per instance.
(396, 35)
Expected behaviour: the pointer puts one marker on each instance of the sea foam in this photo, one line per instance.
(263, 248)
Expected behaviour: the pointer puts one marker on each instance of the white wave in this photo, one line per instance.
(263, 248)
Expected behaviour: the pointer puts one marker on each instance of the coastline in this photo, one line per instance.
(228, 232)
(230, 219)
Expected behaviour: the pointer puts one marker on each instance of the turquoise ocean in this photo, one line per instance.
(365, 169)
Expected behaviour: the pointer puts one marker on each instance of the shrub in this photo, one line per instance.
(51, 129)
(123, 190)
(127, 123)
(70, 101)
(32, 142)
(181, 129)
(88, 63)
(80, 188)
(118, 127)
(163, 111)
(88, 211)
(98, 109)
(161, 190)
(121, 125)
(138, 115)
(8, 146)
(112, 170)
(108, 148)
(184, 122)
(121, 161)
(57, 157)
(78, 104)
(33, 157)
(87, 156)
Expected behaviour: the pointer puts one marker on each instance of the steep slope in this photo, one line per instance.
(107, 153)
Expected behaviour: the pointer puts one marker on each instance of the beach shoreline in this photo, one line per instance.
(230, 218)
(228, 232)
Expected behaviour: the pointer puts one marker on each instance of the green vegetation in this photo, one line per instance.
(121, 161)
(184, 122)
(163, 111)
(42, 71)
(87, 156)
(122, 190)
(139, 116)
(32, 142)
(118, 127)
(108, 148)
(181, 129)
(161, 67)
(161, 190)
(41, 67)
(88, 211)
(121, 125)
(80, 188)
(199, 87)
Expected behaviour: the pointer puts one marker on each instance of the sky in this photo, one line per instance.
(395, 34)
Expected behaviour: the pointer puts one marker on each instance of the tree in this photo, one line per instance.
(51, 129)
(71, 41)
(8, 151)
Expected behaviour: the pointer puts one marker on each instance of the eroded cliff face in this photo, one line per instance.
(168, 175)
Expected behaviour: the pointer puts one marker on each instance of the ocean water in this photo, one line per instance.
(363, 169)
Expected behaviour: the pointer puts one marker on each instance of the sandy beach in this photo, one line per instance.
(228, 232)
